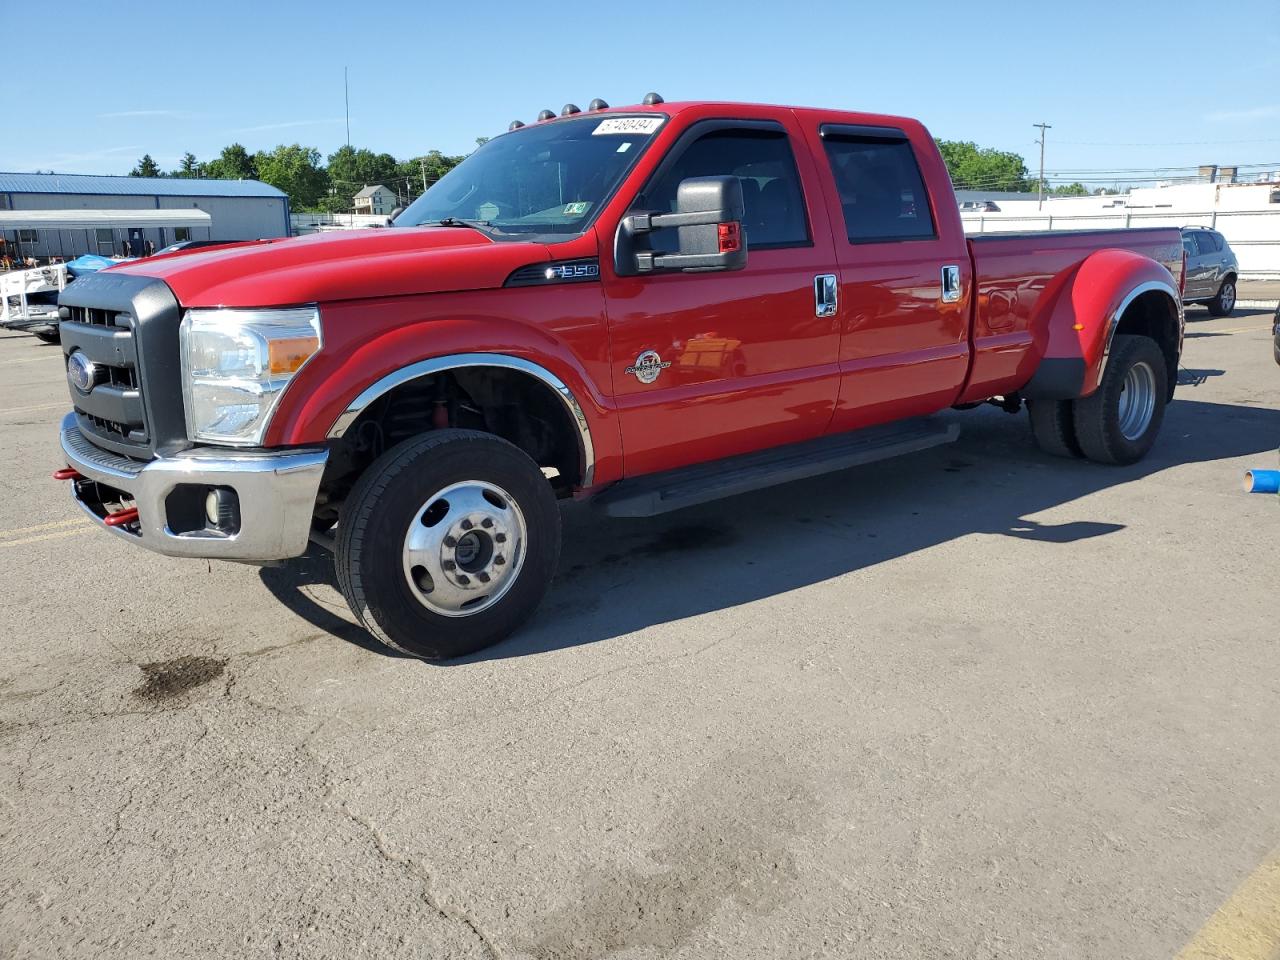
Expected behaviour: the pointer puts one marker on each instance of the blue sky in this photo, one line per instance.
(100, 84)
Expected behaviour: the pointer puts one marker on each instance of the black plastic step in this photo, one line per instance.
(657, 493)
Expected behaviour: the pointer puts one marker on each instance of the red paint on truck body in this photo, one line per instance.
(751, 365)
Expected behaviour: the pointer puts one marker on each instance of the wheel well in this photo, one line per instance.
(507, 403)
(1154, 314)
(1230, 276)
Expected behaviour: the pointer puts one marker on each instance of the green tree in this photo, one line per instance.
(351, 169)
(146, 168)
(296, 170)
(432, 166)
(187, 167)
(234, 163)
(984, 168)
(1071, 190)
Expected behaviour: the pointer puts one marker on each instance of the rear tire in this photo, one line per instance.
(447, 543)
(1225, 300)
(1053, 427)
(1119, 421)
(48, 336)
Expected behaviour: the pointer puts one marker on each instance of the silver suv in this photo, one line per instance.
(1211, 270)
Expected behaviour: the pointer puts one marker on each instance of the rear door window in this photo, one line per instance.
(881, 191)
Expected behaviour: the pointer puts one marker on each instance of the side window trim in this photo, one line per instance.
(701, 128)
(857, 133)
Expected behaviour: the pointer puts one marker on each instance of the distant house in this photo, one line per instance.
(376, 199)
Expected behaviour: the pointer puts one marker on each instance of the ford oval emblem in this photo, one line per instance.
(81, 372)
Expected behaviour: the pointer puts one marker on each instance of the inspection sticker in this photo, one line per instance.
(643, 125)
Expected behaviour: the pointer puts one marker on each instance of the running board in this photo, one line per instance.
(657, 493)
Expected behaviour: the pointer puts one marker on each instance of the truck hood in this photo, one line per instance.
(339, 265)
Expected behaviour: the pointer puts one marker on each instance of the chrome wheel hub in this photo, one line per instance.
(1228, 296)
(1137, 401)
(464, 548)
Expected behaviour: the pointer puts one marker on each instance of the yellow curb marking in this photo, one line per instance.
(19, 531)
(1247, 926)
(34, 406)
(46, 536)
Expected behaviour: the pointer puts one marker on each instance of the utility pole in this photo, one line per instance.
(422, 161)
(1040, 183)
(346, 99)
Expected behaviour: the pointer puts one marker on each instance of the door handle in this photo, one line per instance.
(825, 295)
(951, 283)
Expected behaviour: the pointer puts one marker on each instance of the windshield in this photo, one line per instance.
(546, 179)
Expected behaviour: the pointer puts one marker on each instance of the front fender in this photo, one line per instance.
(367, 341)
(1083, 320)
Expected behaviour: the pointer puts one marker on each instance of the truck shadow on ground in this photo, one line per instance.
(619, 576)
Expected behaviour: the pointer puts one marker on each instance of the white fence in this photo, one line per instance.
(321, 222)
(1254, 235)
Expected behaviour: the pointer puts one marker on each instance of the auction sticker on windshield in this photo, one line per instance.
(623, 125)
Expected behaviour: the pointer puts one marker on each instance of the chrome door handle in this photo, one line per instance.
(951, 283)
(825, 295)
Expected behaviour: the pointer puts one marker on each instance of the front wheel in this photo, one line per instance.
(1225, 301)
(1119, 421)
(447, 543)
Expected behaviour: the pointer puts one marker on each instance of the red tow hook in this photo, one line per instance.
(121, 517)
(68, 473)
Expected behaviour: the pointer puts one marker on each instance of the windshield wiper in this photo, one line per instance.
(461, 222)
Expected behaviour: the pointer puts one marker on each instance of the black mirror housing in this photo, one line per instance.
(708, 224)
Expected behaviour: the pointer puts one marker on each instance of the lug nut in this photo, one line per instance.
(466, 524)
(450, 542)
(449, 565)
(499, 560)
(500, 538)
(486, 523)
(464, 579)
(482, 577)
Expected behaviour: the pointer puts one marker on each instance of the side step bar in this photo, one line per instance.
(657, 493)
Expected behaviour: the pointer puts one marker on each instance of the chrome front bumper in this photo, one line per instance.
(277, 494)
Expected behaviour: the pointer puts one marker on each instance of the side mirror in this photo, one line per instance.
(394, 213)
(708, 225)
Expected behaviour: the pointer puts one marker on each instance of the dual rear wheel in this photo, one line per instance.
(1117, 423)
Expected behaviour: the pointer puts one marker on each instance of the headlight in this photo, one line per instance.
(235, 365)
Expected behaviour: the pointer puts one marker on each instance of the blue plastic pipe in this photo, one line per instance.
(1262, 481)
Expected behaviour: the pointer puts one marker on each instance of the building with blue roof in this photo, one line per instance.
(65, 214)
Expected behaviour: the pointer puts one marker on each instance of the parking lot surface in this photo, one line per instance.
(972, 703)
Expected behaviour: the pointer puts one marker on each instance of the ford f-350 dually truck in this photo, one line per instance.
(648, 306)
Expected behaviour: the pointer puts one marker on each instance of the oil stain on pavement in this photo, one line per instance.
(167, 679)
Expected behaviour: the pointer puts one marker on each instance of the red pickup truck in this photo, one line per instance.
(650, 306)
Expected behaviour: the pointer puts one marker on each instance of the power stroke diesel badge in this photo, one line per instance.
(648, 366)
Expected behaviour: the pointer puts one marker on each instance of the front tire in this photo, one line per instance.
(1119, 421)
(1225, 300)
(447, 543)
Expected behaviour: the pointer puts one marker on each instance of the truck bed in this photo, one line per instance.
(1020, 276)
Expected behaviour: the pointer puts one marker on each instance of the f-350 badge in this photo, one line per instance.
(648, 366)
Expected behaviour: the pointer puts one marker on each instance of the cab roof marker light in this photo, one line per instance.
(569, 109)
(546, 115)
(597, 104)
(514, 125)
(652, 99)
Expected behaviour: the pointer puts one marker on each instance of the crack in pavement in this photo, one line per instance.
(424, 879)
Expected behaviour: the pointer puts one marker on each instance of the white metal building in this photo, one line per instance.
(65, 215)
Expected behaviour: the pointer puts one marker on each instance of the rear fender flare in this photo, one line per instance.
(1083, 321)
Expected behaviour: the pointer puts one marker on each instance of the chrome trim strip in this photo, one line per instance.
(458, 361)
(1113, 321)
